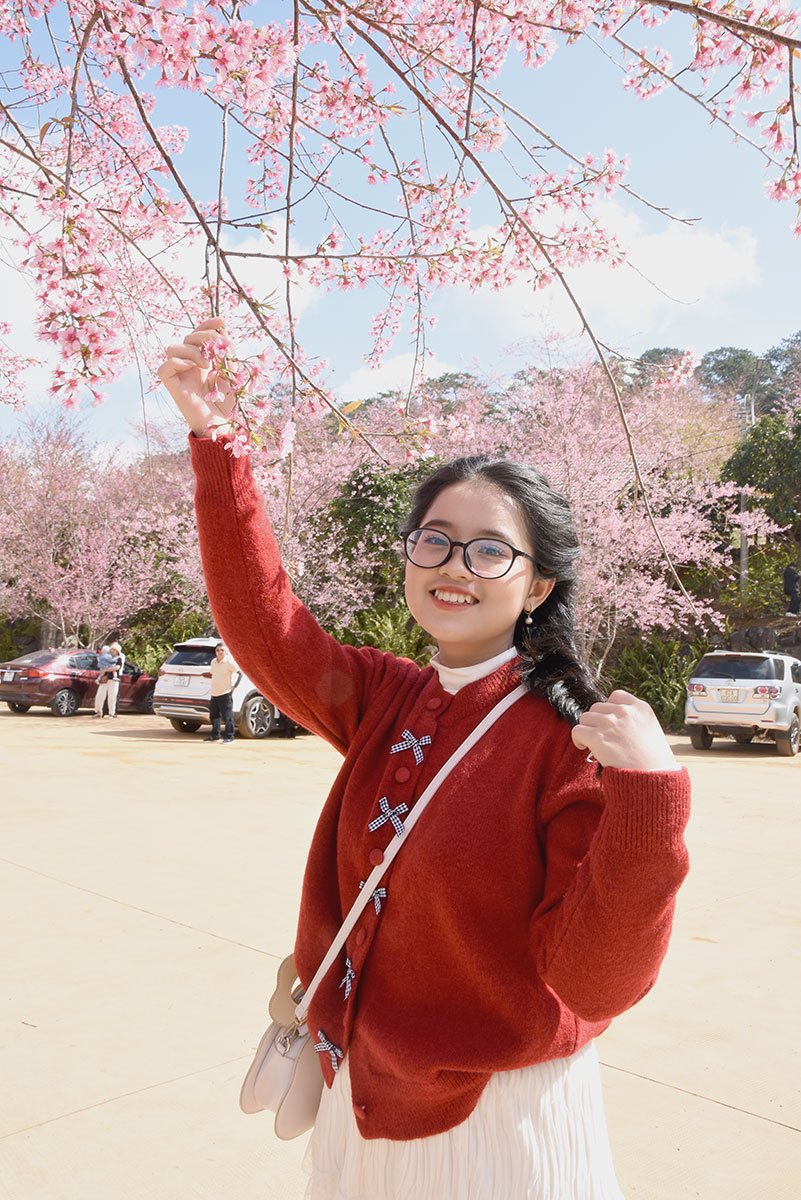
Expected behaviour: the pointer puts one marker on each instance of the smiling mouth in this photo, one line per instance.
(460, 599)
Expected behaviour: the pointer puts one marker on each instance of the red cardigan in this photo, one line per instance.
(533, 903)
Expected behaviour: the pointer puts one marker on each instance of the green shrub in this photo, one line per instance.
(17, 637)
(763, 595)
(657, 669)
(149, 641)
(388, 626)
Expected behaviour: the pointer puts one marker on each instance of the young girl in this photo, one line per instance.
(533, 903)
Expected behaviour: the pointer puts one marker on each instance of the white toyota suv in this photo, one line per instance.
(183, 692)
(743, 695)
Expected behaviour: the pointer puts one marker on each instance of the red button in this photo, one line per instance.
(433, 703)
(361, 936)
(376, 857)
(360, 1111)
(402, 774)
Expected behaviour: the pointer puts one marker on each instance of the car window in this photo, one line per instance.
(83, 662)
(795, 671)
(778, 664)
(191, 656)
(735, 667)
(35, 659)
(128, 668)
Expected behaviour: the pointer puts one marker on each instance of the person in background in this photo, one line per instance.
(792, 589)
(221, 709)
(104, 662)
(117, 664)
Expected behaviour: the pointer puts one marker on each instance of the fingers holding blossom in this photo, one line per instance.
(191, 374)
(623, 732)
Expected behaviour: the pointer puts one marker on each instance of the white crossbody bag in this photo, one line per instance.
(285, 1075)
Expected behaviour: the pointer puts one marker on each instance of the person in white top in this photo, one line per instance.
(116, 670)
(221, 708)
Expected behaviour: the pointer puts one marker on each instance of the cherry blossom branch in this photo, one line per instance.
(496, 100)
(735, 24)
(103, 212)
(288, 282)
(70, 120)
(288, 210)
(673, 81)
(215, 294)
(499, 104)
(507, 205)
(240, 290)
(472, 79)
(791, 99)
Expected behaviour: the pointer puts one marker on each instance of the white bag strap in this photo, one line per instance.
(366, 894)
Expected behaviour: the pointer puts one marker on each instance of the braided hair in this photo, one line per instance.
(551, 666)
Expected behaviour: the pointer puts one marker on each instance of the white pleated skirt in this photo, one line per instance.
(536, 1134)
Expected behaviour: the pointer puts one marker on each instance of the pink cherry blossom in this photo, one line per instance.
(382, 133)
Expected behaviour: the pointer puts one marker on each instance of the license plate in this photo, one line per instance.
(729, 695)
(8, 676)
(183, 680)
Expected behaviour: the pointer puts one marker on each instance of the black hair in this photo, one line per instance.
(551, 665)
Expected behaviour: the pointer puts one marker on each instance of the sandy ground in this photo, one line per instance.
(150, 885)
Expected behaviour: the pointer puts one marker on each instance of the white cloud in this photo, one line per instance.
(677, 283)
(394, 373)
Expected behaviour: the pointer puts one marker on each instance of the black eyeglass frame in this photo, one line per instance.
(464, 547)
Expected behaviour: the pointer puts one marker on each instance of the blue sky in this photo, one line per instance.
(731, 279)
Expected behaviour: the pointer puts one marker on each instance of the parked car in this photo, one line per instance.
(183, 692)
(66, 680)
(745, 695)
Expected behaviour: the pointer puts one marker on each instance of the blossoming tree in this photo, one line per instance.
(87, 541)
(378, 136)
(563, 421)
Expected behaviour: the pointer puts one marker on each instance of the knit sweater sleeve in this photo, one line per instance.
(321, 684)
(602, 929)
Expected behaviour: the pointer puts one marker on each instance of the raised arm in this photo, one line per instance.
(312, 678)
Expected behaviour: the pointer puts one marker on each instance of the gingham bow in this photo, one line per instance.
(347, 982)
(324, 1046)
(378, 895)
(410, 742)
(388, 814)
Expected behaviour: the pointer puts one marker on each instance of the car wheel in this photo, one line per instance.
(16, 707)
(700, 738)
(789, 740)
(147, 704)
(182, 726)
(743, 739)
(64, 703)
(257, 717)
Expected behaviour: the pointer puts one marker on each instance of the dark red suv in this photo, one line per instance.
(66, 680)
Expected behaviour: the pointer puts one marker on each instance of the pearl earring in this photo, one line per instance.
(528, 620)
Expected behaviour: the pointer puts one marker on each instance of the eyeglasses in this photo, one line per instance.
(489, 558)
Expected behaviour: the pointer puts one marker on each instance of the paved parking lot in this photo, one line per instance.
(149, 885)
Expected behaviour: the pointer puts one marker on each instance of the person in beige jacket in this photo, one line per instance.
(221, 709)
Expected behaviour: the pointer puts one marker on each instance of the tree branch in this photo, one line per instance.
(509, 207)
(736, 24)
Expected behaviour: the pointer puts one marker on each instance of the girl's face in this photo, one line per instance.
(473, 619)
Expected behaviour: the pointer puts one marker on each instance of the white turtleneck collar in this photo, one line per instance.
(451, 679)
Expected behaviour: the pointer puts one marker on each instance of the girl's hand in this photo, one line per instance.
(624, 732)
(202, 396)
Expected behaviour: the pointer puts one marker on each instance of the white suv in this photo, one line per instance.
(745, 695)
(183, 692)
